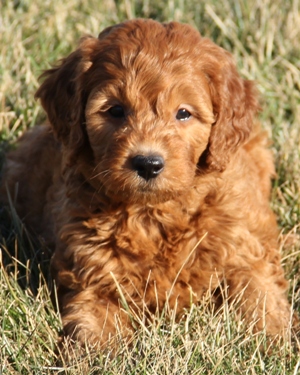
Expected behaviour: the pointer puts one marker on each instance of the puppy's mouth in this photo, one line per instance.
(147, 184)
(141, 180)
(141, 192)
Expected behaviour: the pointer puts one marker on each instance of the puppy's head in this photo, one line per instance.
(152, 103)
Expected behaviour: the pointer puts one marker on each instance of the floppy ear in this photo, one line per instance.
(235, 105)
(62, 93)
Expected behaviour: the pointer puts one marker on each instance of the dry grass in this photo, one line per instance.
(264, 37)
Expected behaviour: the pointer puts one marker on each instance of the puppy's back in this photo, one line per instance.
(28, 174)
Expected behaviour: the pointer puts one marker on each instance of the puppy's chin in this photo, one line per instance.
(142, 196)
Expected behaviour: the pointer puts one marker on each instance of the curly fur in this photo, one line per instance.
(203, 220)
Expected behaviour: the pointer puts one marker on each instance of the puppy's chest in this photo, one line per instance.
(145, 247)
(148, 236)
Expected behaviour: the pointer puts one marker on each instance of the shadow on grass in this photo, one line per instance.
(23, 255)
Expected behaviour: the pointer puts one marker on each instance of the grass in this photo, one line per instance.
(264, 38)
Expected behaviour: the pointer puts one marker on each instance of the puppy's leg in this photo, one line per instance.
(262, 296)
(93, 321)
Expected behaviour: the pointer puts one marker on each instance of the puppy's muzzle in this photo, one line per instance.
(148, 167)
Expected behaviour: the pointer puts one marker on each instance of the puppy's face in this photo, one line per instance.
(148, 126)
(149, 100)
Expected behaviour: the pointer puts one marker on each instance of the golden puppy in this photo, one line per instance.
(152, 174)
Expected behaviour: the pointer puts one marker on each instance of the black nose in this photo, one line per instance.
(148, 166)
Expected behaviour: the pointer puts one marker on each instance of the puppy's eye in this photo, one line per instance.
(116, 111)
(183, 114)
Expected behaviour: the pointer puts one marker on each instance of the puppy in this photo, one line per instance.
(152, 178)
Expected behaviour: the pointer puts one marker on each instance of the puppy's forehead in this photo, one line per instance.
(146, 33)
(146, 55)
(141, 44)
